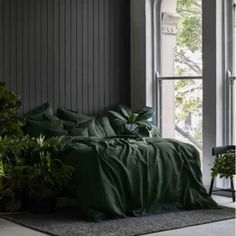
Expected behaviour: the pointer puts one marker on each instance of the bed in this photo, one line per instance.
(119, 176)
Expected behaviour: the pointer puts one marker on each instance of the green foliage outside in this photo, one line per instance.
(188, 62)
(224, 165)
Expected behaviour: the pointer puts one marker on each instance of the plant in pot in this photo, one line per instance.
(49, 175)
(13, 146)
(14, 173)
(224, 165)
(10, 121)
(125, 121)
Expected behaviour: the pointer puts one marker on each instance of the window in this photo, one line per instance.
(180, 75)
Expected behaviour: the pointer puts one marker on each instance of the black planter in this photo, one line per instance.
(42, 206)
(23, 198)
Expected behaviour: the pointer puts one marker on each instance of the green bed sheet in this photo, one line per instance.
(121, 176)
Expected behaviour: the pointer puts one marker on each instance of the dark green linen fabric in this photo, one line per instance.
(99, 129)
(38, 112)
(117, 177)
(104, 128)
(83, 132)
(34, 128)
(155, 131)
(68, 125)
(86, 129)
(55, 133)
(68, 115)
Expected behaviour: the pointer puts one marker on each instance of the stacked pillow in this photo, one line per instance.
(42, 121)
(86, 126)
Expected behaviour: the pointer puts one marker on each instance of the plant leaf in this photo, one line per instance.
(126, 111)
(145, 123)
(118, 115)
(145, 113)
(133, 117)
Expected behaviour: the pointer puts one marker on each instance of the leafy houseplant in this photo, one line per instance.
(224, 165)
(49, 175)
(14, 172)
(136, 123)
(10, 122)
(31, 173)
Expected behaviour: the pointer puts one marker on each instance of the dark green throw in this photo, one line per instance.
(119, 176)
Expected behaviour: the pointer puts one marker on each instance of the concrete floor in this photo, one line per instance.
(222, 228)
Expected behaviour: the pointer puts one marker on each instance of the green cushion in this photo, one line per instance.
(155, 131)
(68, 115)
(79, 132)
(55, 133)
(100, 130)
(86, 129)
(38, 112)
(68, 125)
(35, 128)
(50, 117)
(105, 125)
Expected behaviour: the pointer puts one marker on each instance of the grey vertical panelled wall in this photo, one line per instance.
(71, 53)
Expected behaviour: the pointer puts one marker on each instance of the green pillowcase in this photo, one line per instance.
(103, 124)
(55, 133)
(68, 115)
(38, 112)
(100, 131)
(86, 129)
(35, 128)
(79, 132)
(49, 117)
(69, 125)
(155, 131)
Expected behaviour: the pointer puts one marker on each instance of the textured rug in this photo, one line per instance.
(66, 222)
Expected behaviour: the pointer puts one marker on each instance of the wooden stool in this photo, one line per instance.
(217, 151)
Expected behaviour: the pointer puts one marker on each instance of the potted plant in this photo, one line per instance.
(224, 166)
(10, 121)
(135, 123)
(14, 173)
(49, 175)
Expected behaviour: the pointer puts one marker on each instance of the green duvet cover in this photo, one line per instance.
(120, 176)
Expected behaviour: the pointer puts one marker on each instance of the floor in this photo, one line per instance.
(225, 228)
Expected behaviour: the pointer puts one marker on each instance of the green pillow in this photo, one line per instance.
(106, 126)
(55, 133)
(35, 128)
(155, 131)
(38, 112)
(100, 130)
(68, 125)
(68, 115)
(79, 132)
(50, 117)
(86, 129)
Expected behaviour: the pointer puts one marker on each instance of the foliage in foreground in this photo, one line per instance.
(29, 168)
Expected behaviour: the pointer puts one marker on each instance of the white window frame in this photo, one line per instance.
(145, 62)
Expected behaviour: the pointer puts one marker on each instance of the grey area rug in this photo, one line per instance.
(67, 223)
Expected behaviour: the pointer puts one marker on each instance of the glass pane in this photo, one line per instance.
(188, 111)
(188, 51)
(182, 111)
